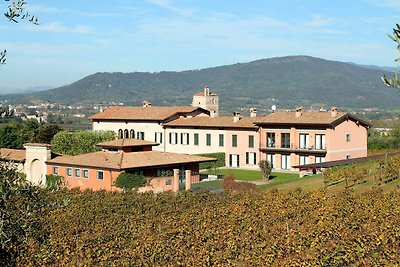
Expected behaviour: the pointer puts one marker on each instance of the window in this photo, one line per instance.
(184, 138)
(251, 140)
(77, 172)
(285, 162)
(126, 133)
(100, 175)
(348, 138)
(319, 141)
(319, 159)
(140, 135)
(221, 139)
(158, 137)
(196, 139)
(132, 133)
(85, 174)
(141, 173)
(55, 170)
(234, 140)
(270, 139)
(303, 160)
(304, 141)
(271, 159)
(120, 134)
(285, 142)
(69, 172)
(208, 139)
(251, 158)
(233, 160)
(173, 138)
(348, 156)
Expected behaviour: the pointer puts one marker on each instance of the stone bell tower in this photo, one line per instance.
(207, 100)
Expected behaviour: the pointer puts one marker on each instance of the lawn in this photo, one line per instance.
(244, 175)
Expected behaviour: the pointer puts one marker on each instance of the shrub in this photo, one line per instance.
(266, 168)
(54, 182)
(128, 181)
(21, 207)
(229, 183)
(220, 156)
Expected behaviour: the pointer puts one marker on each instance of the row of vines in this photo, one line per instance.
(227, 229)
(382, 171)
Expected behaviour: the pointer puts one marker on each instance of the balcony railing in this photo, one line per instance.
(294, 149)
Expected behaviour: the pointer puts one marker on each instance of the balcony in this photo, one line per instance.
(294, 149)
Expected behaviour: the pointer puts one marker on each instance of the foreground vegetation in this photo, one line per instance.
(204, 229)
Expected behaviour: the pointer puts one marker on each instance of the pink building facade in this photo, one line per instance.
(296, 138)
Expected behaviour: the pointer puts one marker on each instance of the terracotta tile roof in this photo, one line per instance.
(214, 122)
(130, 160)
(128, 142)
(313, 118)
(143, 113)
(12, 154)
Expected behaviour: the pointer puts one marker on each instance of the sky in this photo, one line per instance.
(78, 38)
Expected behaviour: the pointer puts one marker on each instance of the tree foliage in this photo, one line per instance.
(21, 206)
(15, 12)
(15, 134)
(394, 82)
(266, 168)
(80, 142)
(129, 181)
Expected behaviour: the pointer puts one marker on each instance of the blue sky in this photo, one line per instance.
(78, 38)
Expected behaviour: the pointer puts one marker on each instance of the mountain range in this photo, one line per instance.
(283, 81)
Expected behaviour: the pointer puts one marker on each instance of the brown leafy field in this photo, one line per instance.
(268, 228)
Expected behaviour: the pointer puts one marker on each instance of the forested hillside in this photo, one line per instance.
(285, 82)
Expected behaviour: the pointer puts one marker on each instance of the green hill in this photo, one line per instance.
(290, 81)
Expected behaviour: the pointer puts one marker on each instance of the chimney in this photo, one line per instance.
(334, 112)
(206, 90)
(299, 112)
(253, 112)
(236, 116)
(146, 104)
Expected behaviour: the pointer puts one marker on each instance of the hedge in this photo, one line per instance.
(220, 156)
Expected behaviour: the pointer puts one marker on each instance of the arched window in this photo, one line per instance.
(126, 133)
(213, 101)
(132, 134)
(120, 136)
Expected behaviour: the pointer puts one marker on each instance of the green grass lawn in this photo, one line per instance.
(244, 175)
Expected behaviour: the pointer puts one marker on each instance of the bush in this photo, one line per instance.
(229, 183)
(220, 156)
(128, 181)
(21, 208)
(54, 182)
(266, 168)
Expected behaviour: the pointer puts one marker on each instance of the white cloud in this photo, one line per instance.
(167, 4)
(387, 3)
(100, 15)
(58, 27)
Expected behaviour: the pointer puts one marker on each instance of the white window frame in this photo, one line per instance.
(270, 142)
(98, 175)
(184, 138)
(173, 138)
(320, 141)
(68, 172)
(251, 158)
(83, 174)
(303, 160)
(285, 162)
(77, 171)
(55, 170)
(158, 137)
(319, 159)
(304, 141)
(271, 159)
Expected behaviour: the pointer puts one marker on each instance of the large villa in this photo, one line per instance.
(153, 140)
